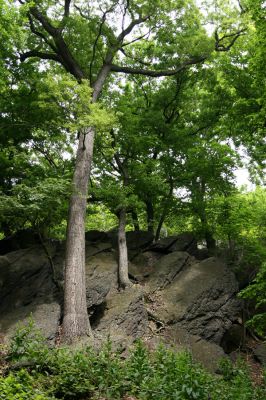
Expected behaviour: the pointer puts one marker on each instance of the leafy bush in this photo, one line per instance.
(28, 344)
(257, 290)
(63, 373)
(20, 386)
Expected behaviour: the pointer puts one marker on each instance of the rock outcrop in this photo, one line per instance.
(198, 296)
(176, 298)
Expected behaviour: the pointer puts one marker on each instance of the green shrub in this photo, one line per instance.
(165, 375)
(20, 386)
(257, 291)
(63, 373)
(28, 344)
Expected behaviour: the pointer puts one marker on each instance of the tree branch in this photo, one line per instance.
(44, 22)
(130, 27)
(40, 34)
(39, 54)
(62, 52)
(138, 38)
(133, 58)
(218, 41)
(159, 73)
(81, 13)
(97, 39)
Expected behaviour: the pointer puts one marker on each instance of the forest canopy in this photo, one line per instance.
(140, 113)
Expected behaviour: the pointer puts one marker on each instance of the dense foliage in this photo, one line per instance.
(175, 91)
(161, 374)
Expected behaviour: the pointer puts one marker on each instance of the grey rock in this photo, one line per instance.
(184, 242)
(46, 317)
(260, 353)
(136, 240)
(101, 277)
(125, 317)
(29, 276)
(183, 295)
(200, 298)
(142, 266)
(179, 339)
(28, 290)
(166, 269)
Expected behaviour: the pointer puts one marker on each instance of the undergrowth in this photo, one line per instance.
(37, 372)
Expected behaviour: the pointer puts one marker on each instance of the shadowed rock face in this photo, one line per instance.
(200, 297)
(28, 290)
(184, 242)
(179, 299)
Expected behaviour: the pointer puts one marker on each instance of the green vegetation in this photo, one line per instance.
(135, 113)
(61, 373)
(257, 291)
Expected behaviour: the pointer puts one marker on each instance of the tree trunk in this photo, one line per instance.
(135, 220)
(124, 281)
(165, 210)
(159, 227)
(150, 216)
(76, 320)
(210, 241)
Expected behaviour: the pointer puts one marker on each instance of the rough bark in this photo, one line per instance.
(124, 281)
(76, 320)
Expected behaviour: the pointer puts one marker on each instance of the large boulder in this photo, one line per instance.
(260, 353)
(28, 290)
(166, 269)
(198, 296)
(100, 267)
(184, 242)
(192, 302)
(22, 239)
(25, 275)
(124, 318)
(136, 240)
(46, 317)
(96, 236)
(101, 277)
(179, 339)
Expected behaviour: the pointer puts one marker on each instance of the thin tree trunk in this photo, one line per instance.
(159, 227)
(124, 281)
(76, 320)
(210, 241)
(165, 209)
(135, 220)
(150, 216)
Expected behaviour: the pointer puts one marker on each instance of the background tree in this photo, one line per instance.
(150, 43)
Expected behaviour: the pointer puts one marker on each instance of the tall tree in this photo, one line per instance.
(155, 39)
